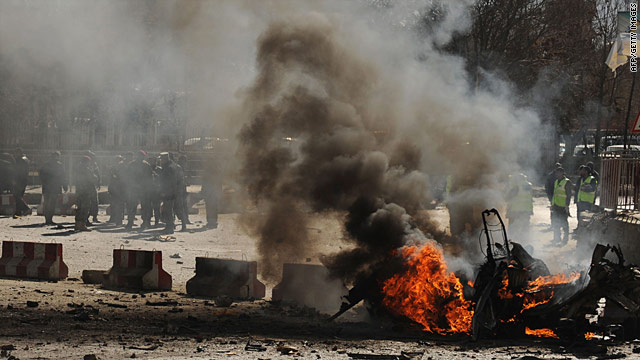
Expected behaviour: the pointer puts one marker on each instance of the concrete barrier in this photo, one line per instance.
(64, 205)
(8, 204)
(137, 269)
(309, 285)
(32, 260)
(224, 277)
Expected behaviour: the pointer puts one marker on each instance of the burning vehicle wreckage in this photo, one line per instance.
(513, 294)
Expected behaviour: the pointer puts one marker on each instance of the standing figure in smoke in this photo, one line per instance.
(140, 186)
(155, 199)
(93, 209)
(520, 204)
(54, 181)
(548, 186)
(20, 179)
(560, 207)
(169, 190)
(181, 209)
(86, 182)
(117, 190)
(585, 193)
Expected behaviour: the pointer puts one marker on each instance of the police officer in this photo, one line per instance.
(586, 192)
(596, 175)
(54, 181)
(117, 190)
(142, 181)
(86, 182)
(519, 204)
(155, 199)
(169, 190)
(181, 209)
(560, 207)
(20, 180)
(93, 208)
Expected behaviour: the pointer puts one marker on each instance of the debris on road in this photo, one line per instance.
(286, 349)
(145, 348)
(162, 303)
(254, 347)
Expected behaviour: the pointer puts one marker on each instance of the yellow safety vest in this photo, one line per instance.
(523, 201)
(447, 189)
(587, 196)
(560, 193)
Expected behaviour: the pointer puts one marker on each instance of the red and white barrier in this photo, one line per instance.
(138, 269)
(309, 285)
(224, 277)
(64, 204)
(7, 204)
(32, 260)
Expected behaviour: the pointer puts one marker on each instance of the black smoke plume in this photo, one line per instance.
(316, 144)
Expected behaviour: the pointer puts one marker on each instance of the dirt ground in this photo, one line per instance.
(69, 319)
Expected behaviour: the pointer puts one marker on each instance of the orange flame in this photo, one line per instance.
(504, 292)
(427, 293)
(557, 279)
(589, 336)
(540, 291)
(541, 333)
(535, 299)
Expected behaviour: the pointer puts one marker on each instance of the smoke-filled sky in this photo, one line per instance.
(376, 110)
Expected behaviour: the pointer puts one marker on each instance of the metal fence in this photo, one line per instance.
(620, 181)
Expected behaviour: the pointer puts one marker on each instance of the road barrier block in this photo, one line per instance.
(224, 277)
(137, 269)
(32, 260)
(8, 204)
(64, 205)
(309, 285)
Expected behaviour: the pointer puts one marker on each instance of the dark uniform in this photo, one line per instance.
(86, 182)
(140, 190)
(54, 181)
(154, 197)
(181, 209)
(169, 190)
(20, 179)
(117, 191)
(93, 208)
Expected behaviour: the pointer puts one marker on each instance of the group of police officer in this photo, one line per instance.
(559, 189)
(158, 185)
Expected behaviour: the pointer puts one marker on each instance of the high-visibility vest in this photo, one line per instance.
(447, 188)
(587, 196)
(560, 193)
(523, 201)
